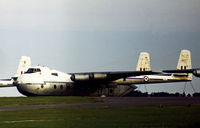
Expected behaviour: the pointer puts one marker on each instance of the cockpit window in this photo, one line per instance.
(33, 70)
(54, 74)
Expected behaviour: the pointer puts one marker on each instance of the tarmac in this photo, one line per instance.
(115, 101)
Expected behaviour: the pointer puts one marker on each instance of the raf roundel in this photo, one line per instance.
(146, 78)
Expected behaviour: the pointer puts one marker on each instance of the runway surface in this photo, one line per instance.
(115, 101)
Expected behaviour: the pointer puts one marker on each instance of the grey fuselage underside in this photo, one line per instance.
(72, 90)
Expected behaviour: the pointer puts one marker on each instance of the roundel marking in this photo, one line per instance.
(146, 78)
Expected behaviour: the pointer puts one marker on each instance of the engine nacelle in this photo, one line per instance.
(196, 73)
(98, 76)
(80, 77)
(88, 77)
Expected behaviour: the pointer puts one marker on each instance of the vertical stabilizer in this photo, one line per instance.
(184, 61)
(143, 62)
(24, 64)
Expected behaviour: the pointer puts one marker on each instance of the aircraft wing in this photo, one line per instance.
(6, 83)
(107, 76)
(195, 72)
(179, 71)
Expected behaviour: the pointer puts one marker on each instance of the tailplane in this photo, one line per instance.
(24, 64)
(143, 62)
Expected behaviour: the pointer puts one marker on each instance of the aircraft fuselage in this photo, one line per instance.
(52, 82)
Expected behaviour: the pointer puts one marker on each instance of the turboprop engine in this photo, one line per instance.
(196, 72)
(88, 77)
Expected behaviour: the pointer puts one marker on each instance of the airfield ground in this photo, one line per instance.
(165, 112)
(19, 101)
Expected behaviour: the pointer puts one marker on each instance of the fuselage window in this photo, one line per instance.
(54, 86)
(54, 74)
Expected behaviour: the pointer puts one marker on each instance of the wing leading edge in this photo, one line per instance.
(6, 83)
(107, 76)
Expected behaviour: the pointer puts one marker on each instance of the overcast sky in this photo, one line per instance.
(99, 35)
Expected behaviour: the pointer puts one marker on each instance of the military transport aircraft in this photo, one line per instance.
(39, 80)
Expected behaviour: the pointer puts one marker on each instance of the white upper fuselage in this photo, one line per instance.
(40, 75)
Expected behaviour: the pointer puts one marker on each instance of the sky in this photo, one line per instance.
(99, 35)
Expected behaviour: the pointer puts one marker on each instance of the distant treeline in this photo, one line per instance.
(161, 94)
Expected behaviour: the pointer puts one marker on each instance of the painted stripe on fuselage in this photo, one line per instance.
(45, 82)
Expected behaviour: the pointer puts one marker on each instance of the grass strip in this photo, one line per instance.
(42, 100)
(151, 116)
